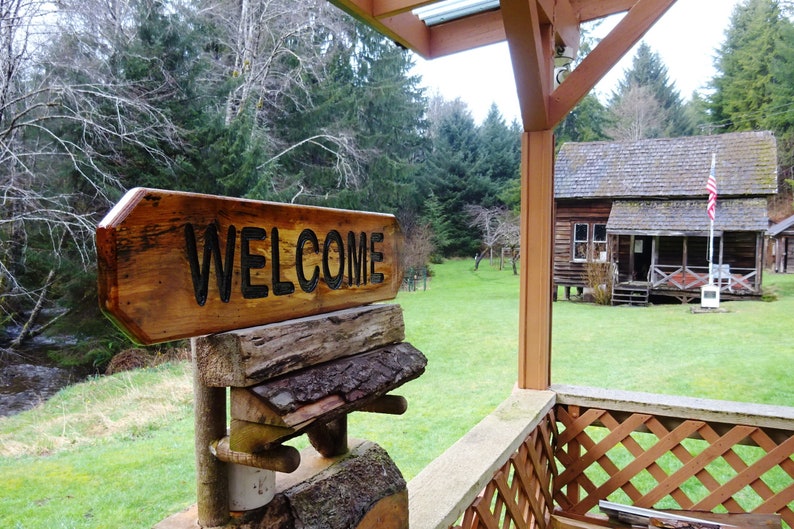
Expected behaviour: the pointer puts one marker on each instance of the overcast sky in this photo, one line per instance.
(685, 38)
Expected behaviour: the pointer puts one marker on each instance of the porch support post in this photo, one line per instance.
(537, 239)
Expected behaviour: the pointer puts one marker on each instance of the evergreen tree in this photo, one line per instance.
(754, 86)
(458, 179)
(648, 71)
(585, 122)
(499, 148)
(367, 116)
(696, 112)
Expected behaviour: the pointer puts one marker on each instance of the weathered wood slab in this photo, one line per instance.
(319, 393)
(249, 356)
(175, 265)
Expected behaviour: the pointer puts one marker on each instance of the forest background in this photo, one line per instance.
(258, 99)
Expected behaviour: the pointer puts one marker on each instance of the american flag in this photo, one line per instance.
(711, 187)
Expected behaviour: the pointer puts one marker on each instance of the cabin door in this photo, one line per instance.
(788, 255)
(642, 253)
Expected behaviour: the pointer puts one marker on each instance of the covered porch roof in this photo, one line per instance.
(536, 31)
(686, 217)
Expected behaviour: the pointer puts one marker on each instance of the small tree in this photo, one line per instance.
(498, 226)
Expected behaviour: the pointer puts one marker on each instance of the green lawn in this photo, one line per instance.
(117, 451)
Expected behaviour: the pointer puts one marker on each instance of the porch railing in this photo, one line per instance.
(729, 279)
(583, 445)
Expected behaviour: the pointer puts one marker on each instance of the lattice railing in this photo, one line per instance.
(663, 460)
(519, 495)
(582, 445)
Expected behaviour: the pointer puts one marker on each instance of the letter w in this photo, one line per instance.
(212, 250)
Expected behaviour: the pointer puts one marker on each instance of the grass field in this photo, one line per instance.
(117, 451)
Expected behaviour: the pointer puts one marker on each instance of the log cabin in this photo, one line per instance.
(781, 239)
(640, 207)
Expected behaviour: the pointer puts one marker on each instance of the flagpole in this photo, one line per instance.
(711, 228)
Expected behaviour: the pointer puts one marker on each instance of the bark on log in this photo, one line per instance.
(212, 486)
(288, 406)
(363, 489)
(364, 376)
(249, 356)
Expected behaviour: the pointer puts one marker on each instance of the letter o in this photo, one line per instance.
(333, 281)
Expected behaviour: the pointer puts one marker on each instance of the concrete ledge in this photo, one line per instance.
(720, 411)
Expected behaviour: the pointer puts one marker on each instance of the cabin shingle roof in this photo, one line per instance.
(668, 167)
(686, 216)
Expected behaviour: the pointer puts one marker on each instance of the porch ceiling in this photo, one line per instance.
(686, 216)
(536, 31)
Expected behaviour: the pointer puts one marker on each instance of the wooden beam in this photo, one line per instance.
(592, 9)
(387, 8)
(604, 56)
(408, 30)
(561, 15)
(537, 239)
(466, 33)
(249, 356)
(531, 47)
(402, 27)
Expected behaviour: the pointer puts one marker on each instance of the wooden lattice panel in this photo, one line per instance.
(519, 495)
(653, 461)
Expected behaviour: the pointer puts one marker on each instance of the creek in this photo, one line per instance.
(28, 377)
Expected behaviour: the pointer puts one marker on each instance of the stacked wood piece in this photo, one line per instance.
(305, 376)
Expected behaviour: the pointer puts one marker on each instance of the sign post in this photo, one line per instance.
(177, 265)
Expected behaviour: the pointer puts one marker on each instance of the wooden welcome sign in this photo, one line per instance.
(175, 265)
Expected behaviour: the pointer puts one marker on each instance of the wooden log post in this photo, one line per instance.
(212, 486)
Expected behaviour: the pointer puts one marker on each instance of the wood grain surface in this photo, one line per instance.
(174, 265)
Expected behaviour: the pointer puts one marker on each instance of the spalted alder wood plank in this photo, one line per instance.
(248, 356)
(174, 265)
(357, 379)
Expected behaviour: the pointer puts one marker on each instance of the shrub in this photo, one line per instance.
(598, 276)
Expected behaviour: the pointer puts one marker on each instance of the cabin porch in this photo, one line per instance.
(677, 265)
(544, 459)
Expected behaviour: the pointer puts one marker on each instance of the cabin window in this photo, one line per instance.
(589, 242)
(600, 242)
(580, 240)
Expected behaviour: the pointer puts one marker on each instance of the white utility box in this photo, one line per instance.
(710, 297)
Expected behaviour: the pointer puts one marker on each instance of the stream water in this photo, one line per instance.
(28, 377)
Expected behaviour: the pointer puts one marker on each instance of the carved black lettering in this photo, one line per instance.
(375, 257)
(356, 259)
(307, 285)
(280, 288)
(250, 261)
(212, 250)
(333, 281)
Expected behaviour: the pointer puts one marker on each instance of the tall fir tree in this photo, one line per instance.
(754, 86)
(585, 122)
(649, 72)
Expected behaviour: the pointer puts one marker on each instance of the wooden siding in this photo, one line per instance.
(739, 249)
(567, 272)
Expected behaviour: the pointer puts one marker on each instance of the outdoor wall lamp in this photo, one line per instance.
(563, 58)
